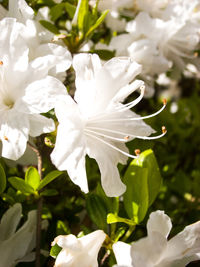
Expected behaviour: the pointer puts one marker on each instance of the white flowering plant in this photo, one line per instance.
(99, 133)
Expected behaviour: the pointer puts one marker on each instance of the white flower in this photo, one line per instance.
(17, 246)
(81, 251)
(155, 251)
(38, 39)
(96, 123)
(26, 90)
(175, 39)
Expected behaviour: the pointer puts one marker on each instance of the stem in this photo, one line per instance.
(128, 233)
(39, 209)
(107, 254)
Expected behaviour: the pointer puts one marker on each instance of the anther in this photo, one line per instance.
(164, 130)
(196, 54)
(137, 152)
(164, 101)
(126, 137)
(5, 138)
(1, 62)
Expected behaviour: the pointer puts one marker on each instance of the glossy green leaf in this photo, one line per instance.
(143, 182)
(148, 160)
(32, 177)
(97, 210)
(49, 178)
(2, 179)
(20, 184)
(136, 198)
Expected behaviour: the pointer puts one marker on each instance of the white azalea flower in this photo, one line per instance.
(97, 124)
(38, 39)
(26, 90)
(176, 40)
(155, 251)
(17, 246)
(81, 251)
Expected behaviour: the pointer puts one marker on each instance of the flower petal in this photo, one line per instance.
(69, 152)
(41, 95)
(107, 160)
(159, 222)
(40, 124)
(14, 129)
(10, 221)
(122, 253)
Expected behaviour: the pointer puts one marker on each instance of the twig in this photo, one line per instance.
(39, 209)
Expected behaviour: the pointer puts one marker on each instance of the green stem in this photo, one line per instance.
(39, 209)
(128, 233)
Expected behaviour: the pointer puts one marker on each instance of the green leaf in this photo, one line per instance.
(70, 9)
(136, 198)
(148, 160)
(49, 192)
(49, 26)
(20, 184)
(143, 182)
(49, 178)
(55, 250)
(57, 11)
(2, 179)
(32, 177)
(82, 15)
(97, 23)
(97, 211)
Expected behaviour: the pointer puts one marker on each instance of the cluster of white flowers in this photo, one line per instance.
(163, 34)
(152, 251)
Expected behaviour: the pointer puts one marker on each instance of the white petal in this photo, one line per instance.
(185, 244)
(147, 251)
(107, 160)
(20, 10)
(40, 124)
(62, 57)
(68, 242)
(14, 134)
(159, 222)
(122, 253)
(41, 95)
(69, 152)
(10, 221)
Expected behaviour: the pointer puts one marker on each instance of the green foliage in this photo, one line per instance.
(2, 179)
(20, 184)
(49, 178)
(32, 178)
(97, 210)
(143, 182)
(55, 250)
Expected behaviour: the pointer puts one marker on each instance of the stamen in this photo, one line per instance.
(5, 138)
(137, 152)
(106, 136)
(1, 63)
(164, 131)
(130, 118)
(113, 147)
